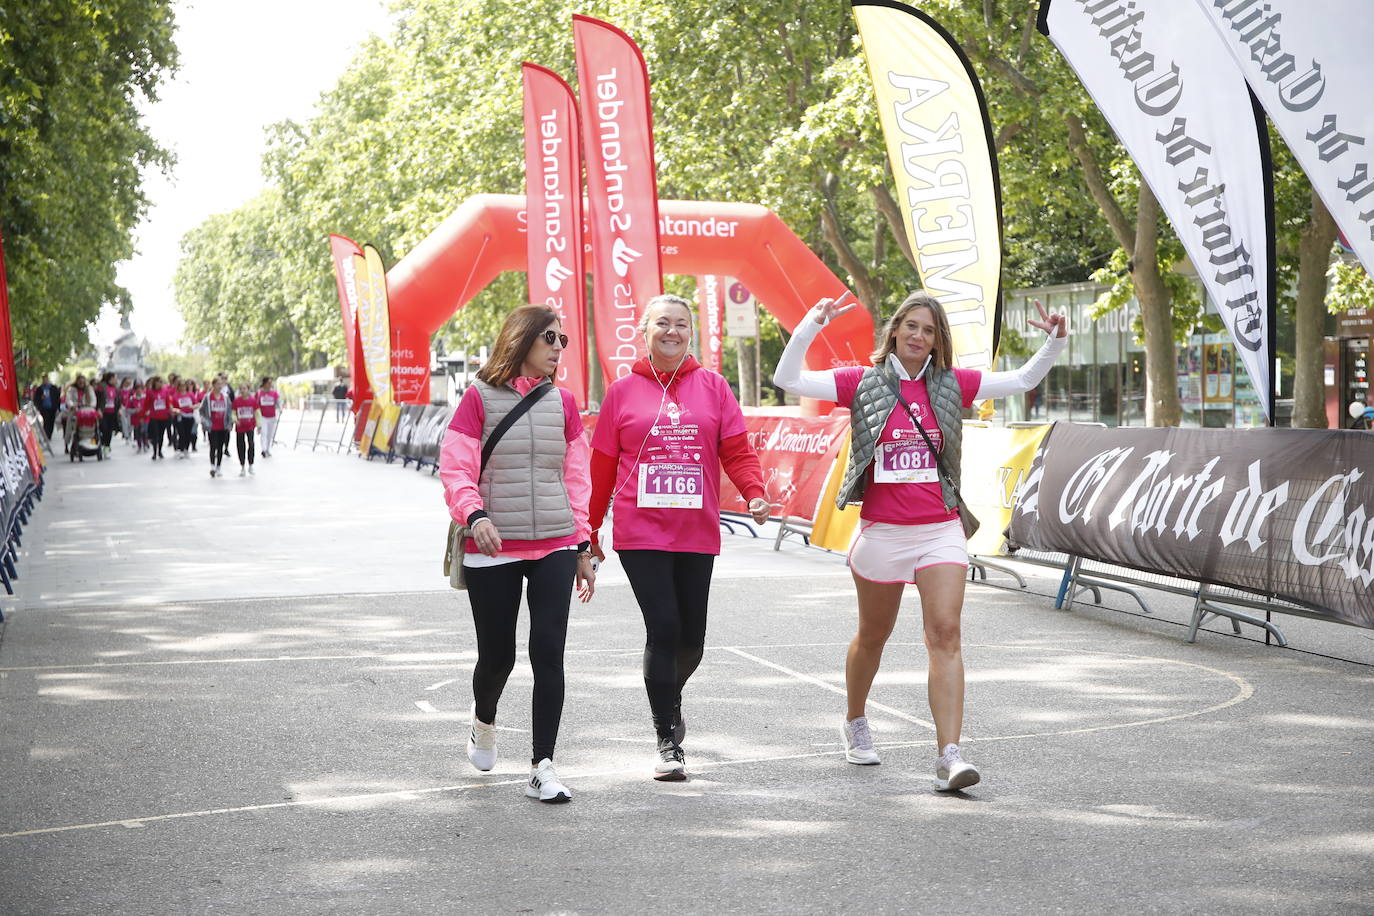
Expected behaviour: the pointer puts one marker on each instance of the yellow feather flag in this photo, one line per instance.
(939, 142)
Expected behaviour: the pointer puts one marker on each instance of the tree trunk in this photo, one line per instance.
(868, 288)
(748, 372)
(1161, 364)
(1314, 256)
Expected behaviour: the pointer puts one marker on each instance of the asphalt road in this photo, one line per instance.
(259, 704)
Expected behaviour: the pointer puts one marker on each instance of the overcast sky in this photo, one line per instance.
(244, 64)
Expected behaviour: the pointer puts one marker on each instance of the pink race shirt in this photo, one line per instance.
(267, 403)
(219, 410)
(667, 494)
(244, 418)
(903, 487)
(186, 405)
(159, 404)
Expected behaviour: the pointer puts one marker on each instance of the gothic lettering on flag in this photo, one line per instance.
(1165, 83)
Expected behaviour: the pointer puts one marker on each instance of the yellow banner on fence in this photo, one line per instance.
(386, 425)
(996, 460)
(374, 416)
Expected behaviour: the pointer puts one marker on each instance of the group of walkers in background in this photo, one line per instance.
(161, 412)
(533, 495)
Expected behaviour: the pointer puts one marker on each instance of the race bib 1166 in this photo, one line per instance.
(666, 485)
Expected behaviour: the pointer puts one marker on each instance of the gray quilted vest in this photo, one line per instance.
(873, 402)
(522, 487)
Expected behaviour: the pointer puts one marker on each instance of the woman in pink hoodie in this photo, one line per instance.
(524, 498)
(665, 432)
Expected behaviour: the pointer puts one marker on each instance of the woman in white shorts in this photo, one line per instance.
(910, 531)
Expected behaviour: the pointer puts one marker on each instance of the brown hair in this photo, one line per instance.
(942, 353)
(513, 342)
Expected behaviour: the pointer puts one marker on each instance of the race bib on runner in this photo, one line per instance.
(666, 485)
(904, 461)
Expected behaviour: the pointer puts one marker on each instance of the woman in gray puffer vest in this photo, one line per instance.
(910, 530)
(523, 497)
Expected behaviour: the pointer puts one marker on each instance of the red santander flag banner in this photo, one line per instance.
(9, 383)
(342, 250)
(553, 196)
(710, 311)
(622, 189)
(796, 454)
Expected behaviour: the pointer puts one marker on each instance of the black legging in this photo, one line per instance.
(219, 444)
(156, 428)
(672, 590)
(185, 427)
(494, 592)
(239, 440)
(109, 422)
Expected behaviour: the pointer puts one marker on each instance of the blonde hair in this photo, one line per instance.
(513, 342)
(667, 299)
(942, 353)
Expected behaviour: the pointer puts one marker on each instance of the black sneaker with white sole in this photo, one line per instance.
(672, 763)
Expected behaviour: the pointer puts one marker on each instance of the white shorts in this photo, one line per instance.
(896, 553)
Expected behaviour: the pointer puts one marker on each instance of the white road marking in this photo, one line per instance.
(452, 680)
(425, 706)
(826, 685)
(1243, 692)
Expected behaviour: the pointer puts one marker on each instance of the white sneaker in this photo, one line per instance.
(243, 472)
(672, 763)
(858, 742)
(481, 744)
(544, 784)
(952, 773)
(250, 469)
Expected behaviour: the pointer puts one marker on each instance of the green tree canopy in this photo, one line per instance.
(73, 153)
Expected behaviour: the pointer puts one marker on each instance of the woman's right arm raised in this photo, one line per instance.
(789, 375)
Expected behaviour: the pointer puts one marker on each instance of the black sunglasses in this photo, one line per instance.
(551, 335)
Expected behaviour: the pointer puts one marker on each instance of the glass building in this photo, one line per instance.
(1100, 377)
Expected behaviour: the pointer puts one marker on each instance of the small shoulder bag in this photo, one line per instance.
(458, 534)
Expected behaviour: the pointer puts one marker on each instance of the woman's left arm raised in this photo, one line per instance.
(1018, 381)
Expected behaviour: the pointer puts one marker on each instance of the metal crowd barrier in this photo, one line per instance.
(326, 422)
(1082, 577)
(19, 490)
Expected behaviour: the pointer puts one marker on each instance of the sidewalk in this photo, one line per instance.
(250, 696)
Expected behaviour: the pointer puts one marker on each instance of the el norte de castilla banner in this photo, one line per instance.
(1163, 80)
(1309, 64)
(939, 142)
(1281, 512)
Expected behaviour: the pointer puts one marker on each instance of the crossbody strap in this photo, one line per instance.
(939, 455)
(509, 420)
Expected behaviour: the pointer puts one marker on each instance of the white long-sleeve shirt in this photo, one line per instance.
(790, 377)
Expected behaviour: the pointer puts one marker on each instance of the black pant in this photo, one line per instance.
(156, 429)
(109, 422)
(219, 444)
(186, 427)
(49, 415)
(672, 590)
(494, 592)
(239, 440)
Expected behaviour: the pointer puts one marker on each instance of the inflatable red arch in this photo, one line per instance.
(486, 235)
